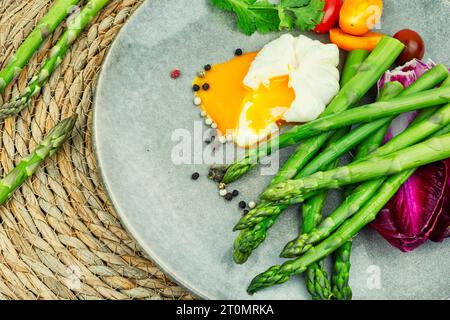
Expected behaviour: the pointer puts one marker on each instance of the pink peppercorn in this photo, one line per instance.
(174, 74)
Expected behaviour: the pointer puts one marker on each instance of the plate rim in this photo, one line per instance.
(150, 255)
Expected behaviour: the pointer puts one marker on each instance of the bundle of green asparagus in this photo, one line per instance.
(392, 164)
(348, 229)
(381, 169)
(259, 215)
(368, 72)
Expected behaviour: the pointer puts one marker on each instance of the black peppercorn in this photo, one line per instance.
(238, 52)
(228, 197)
(235, 193)
(245, 212)
(195, 87)
(207, 67)
(195, 176)
(242, 204)
(205, 86)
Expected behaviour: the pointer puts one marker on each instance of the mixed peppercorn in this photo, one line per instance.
(215, 174)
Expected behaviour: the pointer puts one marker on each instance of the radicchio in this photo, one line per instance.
(421, 208)
(406, 75)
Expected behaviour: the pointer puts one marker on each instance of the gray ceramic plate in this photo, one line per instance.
(184, 226)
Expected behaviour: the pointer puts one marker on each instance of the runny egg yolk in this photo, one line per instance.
(227, 96)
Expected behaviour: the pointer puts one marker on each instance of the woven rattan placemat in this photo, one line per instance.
(59, 235)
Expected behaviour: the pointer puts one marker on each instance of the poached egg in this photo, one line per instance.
(291, 79)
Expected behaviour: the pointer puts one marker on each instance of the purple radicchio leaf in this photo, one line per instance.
(442, 229)
(406, 75)
(421, 208)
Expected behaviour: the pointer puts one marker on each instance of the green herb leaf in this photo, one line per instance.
(263, 16)
(262, 19)
(308, 17)
(293, 3)
(286, 20)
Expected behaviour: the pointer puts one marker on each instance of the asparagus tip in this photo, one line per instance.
(293, 248)
(240, 226)
(240, 258)
(216, 173)
(237, 227)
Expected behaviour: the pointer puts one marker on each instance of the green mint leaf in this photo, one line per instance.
(308, 17)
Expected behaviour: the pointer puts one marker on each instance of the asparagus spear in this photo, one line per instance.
(341, 265)
(424, 129)
(423, 153)
(369, 72)
(341, 289)
(316, 277)
(281, 273)
(352, 64)
(429, 80)
(341, 272)
(26, 168)
(317, 282)
(44, 28)
(74, 29)
(249, 239)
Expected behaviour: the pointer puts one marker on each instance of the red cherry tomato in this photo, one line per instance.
(415, 47)
(331, 17)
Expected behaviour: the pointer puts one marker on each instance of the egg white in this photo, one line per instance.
(313, 73)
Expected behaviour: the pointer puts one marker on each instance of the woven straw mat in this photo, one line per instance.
(59, 235)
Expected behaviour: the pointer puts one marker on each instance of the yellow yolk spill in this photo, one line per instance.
(227, 96)
(268, 103)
